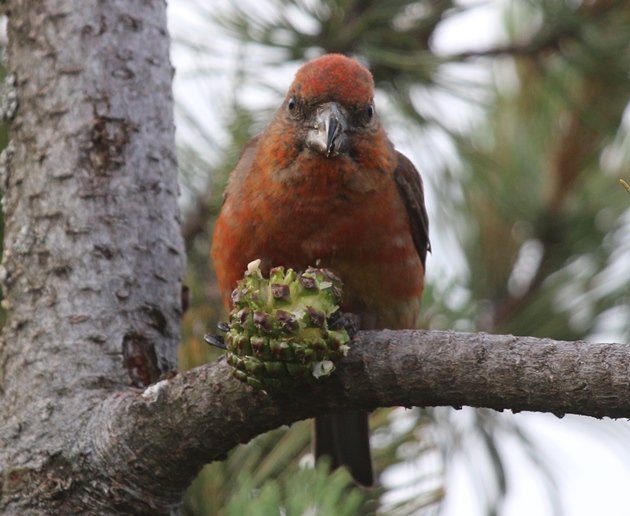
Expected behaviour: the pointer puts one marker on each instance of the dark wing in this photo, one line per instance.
(409, 185)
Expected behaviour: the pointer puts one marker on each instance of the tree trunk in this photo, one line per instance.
(93, 255)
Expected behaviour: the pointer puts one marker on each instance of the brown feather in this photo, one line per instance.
(411, 191)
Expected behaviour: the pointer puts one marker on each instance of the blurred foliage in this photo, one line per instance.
(522, 189)
(306, 491)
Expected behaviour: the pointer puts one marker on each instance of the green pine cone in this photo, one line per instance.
(279, 332)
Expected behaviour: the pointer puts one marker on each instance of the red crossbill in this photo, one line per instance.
(323, 184)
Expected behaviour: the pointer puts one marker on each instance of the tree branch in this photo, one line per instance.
(172, 428)
(548, 38)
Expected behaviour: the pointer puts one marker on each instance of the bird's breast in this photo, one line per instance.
(331, 214)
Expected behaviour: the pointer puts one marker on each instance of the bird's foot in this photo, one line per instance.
(218, 341)
(351, 322)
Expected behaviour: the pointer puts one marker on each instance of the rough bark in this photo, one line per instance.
(153, 441)
(93, 256)
(209, 412)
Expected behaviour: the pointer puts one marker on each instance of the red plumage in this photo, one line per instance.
(323, 184)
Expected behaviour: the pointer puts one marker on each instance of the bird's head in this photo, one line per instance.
(331, 104)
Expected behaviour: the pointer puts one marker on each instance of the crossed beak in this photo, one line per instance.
(327, 132)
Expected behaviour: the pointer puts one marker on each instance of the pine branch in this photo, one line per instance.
(157, 439)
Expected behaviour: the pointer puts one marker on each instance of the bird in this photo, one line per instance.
(323, 184)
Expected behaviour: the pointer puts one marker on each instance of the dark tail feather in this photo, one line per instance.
(345, 438)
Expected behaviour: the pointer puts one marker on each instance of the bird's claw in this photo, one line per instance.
(218, 341)
(351, 322)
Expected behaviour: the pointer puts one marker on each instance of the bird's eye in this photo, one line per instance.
(291, 105)
(370, 112)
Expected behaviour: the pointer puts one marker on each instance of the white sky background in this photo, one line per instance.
(591, 466)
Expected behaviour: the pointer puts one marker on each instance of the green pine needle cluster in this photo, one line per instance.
(308, 491)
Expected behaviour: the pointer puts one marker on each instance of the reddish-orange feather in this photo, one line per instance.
(345, 211)
(291, 206)
(334, 76)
